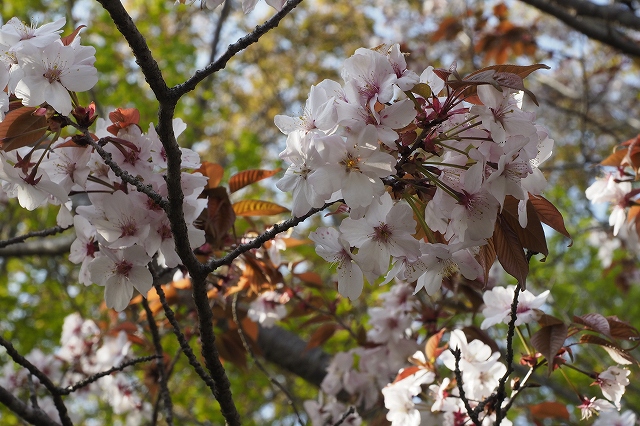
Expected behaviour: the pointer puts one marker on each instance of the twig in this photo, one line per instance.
(233, 49)
(165, 396)
(501, 394)
(261, 239)
(470, 412)
(41, 233)
(95, 377)
(182, 340)
(346, 414)
(32, 391)
(247, 347)
(44, 379)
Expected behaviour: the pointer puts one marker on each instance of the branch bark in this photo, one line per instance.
(32, 415)
(596, 22)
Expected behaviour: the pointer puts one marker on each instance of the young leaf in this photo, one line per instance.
(548, 341)
(247, 177)
(321, 335)
(549, 215)
(616, 353)
(431, 349)
(532, 237)
(257, 208)
(510, 252)
(21, 127)
(213, 171)
(486, 258)
(595, 322)
(549, 410)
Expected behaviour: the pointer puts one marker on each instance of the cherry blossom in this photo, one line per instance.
(498, 306)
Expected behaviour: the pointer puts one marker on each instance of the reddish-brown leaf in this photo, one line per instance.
(312, 279)
(549, 410)
(213, 171)
(219, 216)
(532, 237)
(257, 208)
(595, 322)
(321, 335)
(21, 127)
(123, 118)
(487, 258)
(250, 329)
(406, 372)
(510, 252)
(67, 40)
(622, 330)
(230, 348)
(431, 348)
(546, 320)
(448, 29)
(615, 159)
(548, 341)
(549, 215)
(247, 177)
(618, 354)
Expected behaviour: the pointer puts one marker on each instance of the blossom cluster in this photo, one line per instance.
(83, 352)
(393, 155)
(119, 229)
(37, 66)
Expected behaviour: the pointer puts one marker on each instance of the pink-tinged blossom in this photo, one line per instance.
(333, 248)
(441, 261)
(50, 73)
(84, 247)
(613, 382)
(268, 308)
(353, 166)
(593, 406)
(613, 418)
(319, 110)
(432, 80)
(120, 272)
(498, 306)
(610, 190)
(398, 398)
(68, 166)
(372, 74)
(125, 222)
(501, 115)
(305, 160)
(322, 413)
(386, 231)
(406, 77)
(16, 33)
(33, 187)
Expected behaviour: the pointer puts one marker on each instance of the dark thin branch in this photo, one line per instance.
(44, 247)
(41, 233)
(30, 414)
(164, 395)
(595, 29)
(501, 394)
(247, 347)
(93, 378)
(473, 416)
(139, 47)
(44, 379)
(261, 239)
(124, 175)
(346, 414)
(184, 344)
(233, 49)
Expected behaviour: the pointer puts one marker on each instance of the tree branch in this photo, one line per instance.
(30, 414)
(611, 13)
(597, 29)
(44, 379)
(42, 233)
(43, 247)
(233, 49)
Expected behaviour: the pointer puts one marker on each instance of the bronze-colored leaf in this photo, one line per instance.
(549, 410)
(247, 177)
(67, 40)
(487, 258)
(431, 349)
(218, 218)
(312, 279)
(615, 159)
(532, 237)
(510, 252)
(549, 340)
(619, 355)
(257, 208)
(546, 320)
(406, 372)
(213, 171)
(321, 335)
(595, 322)
(21, 127)
(549, 215)
(622, 330)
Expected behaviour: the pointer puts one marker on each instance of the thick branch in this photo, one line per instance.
(30, 414)
(596, 29)
(615, 13)
(42, 233)
(139, 46)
